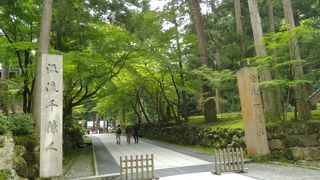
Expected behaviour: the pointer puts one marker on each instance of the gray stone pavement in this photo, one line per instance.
(177, 162)
(105, 164)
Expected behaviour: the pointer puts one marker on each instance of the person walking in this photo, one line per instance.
(136, 133)
(118, 134)
(128, 133)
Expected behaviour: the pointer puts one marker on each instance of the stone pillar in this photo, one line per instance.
(51, 116)
(252, 111)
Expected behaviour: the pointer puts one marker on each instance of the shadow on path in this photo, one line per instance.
(104, 161)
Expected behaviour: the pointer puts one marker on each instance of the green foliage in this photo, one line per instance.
(72, 138)
(21, 124)
(282, 83)
(5, 173)
(19, 150)
(216, 138)
(119, 52)
(3, 123)
(29, 141)
(215, 78)
(226, 120)
(87, 140)
(20, 46)
(20, 166)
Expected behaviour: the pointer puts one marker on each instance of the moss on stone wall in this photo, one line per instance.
(218, 138)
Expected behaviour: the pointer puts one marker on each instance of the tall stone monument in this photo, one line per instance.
(252, 111)
(51, 116)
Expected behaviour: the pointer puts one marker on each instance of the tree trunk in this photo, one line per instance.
(185, 112)
(270, 15)
(218, 103)
(104, 124)
(169, 105)
(44, 42)
(257, 28)
(94, 123)
(301, 91)
(271, 105)
(161, 106)
(177, 93)
(123, 112)
(136, 111)
(209, 105)
(238, 14)
(4, 96)
(142, 109)
(67, 112)
(216, 60)
(278, 94)
(97, 123)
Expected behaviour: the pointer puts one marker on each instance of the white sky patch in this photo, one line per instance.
(167, 25)
(157, 4)
(131, 7)
(205, 8)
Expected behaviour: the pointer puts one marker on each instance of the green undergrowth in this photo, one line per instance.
(5, 174)
(87, 140)
(234, 120)
(225, 120)
(70, 159)
(316, 113)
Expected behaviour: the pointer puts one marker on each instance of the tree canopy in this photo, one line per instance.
(136, 63)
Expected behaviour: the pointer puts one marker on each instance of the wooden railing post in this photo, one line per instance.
(228, 160)
(142, 167)
(237, 158)
(224, 160)
(147, 164)
(241, 156)
(131, 167)
(137, 167)
(153, 176)
(126, 166)
(121, 169)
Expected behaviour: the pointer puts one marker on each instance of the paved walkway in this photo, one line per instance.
(168, 163)
(175, 162)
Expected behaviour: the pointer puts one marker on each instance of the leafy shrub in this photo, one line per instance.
(5, 173)
(20, 165)
(29, 141)
(83, 131)
(3, 123)
(21, 124)
(72, 138)
(19, 150)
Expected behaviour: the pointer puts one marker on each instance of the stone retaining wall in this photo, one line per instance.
(218, 138)
(292, 140)
(6, 158)
(295, 140)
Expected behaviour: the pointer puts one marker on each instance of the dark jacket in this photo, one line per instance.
(135, 130)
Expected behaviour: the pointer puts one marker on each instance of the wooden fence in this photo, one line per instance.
(228, 160)
(137, 168)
